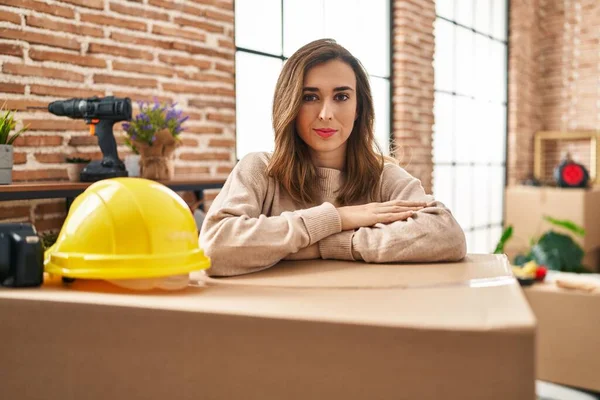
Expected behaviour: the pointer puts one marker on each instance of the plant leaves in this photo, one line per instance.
(521, 259)
(7, 124)
(15, 136)
(507, 234)
(569, 225)
(557, 252)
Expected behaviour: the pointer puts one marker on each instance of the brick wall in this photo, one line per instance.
(413, 86)
(176, 51)
(554, 80)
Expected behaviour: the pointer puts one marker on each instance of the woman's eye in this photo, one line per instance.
(309, 97)
(342, 97)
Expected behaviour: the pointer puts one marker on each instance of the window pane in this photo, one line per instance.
(481, 132)
(497, 194)
(497, 134)
(464, 12)
(465, 61)
(470, 241)
(256, 77)
(303, 22)
(464, 127)
(340, 18)
(484, 78)
(443, 185)
(443, 143)
(481, 186)
(499, 19)
(371, 46)
(482, 16)
(498, 68)
(445, 9)
(374, 42)
(380, 89)
(251, 31)
(481, 239)
(443, 62)
(463, 208)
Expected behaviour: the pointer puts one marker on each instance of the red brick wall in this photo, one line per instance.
(177, 51)
(413, 86)
(554, 80)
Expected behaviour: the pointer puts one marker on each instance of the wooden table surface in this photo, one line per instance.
(66, 185)
(69, 190)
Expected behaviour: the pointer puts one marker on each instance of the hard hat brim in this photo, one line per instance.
(100, 266)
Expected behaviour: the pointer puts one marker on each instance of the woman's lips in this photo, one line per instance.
(325, 132)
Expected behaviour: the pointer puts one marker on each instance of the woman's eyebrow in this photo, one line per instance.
(337, 89)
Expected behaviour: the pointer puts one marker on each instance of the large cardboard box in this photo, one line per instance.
(300, 330)
(527, 205)
(568, 337)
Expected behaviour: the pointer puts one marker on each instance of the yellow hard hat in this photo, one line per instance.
(126, 228)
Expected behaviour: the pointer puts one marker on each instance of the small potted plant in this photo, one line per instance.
(7, 124)
(74, 167)
(154, 134)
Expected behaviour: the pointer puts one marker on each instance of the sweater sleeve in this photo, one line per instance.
(239, 239)
(431, 235)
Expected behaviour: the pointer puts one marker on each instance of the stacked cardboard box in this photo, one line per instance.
(527, 205)
(568, 337)
(300, 330)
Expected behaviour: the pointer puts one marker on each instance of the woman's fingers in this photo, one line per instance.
(396, 209)
(394, 217)
(405, 203)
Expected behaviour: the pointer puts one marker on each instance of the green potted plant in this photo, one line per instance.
(74, 167)
(7, 124)
(154, 134)
(556, 251)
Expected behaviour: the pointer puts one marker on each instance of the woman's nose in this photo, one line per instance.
(326, 112)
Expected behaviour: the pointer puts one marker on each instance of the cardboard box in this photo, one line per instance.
(568, 337)
(527, 205)
(300, 330)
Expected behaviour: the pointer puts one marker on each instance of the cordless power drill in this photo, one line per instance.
(101, 114)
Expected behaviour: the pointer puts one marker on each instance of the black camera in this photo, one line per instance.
(21, 256)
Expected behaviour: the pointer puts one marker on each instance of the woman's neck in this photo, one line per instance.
(330, 159)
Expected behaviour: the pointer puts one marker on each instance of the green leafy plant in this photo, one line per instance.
(77, 160)
(48, 239)
(555, 250)
(8, 124)
(152, 118)
(507, 234)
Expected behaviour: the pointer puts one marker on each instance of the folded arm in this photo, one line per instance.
(431, 234)
(239, 239)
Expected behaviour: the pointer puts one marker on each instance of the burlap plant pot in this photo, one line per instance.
(156, 160)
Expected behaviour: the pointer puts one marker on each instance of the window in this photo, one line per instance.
(469, 142)
(270, 31)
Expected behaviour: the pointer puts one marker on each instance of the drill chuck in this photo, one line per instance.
(107, 108)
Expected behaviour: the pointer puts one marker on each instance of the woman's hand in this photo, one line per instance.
(354, 217)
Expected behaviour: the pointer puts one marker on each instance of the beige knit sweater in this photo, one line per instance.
(253, 223)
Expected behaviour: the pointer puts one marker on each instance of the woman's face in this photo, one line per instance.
(328, 110)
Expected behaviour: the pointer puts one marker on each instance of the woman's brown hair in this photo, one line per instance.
(291, 163)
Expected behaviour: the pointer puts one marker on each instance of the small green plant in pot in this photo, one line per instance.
(556, 251)
(74, 167)
(7, 125)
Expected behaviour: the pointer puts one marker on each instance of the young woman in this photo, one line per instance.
(324, 192)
